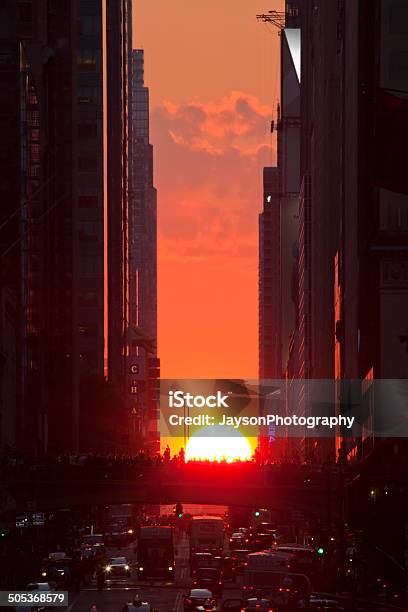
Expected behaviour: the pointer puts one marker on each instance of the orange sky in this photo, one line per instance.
(212, 70)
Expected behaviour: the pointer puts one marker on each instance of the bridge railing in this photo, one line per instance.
(201, 473)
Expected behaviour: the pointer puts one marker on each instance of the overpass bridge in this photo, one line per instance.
(315, 494)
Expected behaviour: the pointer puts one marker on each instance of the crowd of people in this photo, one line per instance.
(49, 466)
(11, 458)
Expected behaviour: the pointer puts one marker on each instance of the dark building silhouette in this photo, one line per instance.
(119, 49)
(143, 371)
(63, 85)
(270, 345)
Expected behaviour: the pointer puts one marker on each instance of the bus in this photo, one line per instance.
(155, 552)
(207, 534)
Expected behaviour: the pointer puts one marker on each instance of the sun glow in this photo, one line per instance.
(224, 444)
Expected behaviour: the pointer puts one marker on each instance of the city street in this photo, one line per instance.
(203, 305)
(163, 598)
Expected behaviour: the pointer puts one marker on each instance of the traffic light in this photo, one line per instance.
(179, 510)
(257, 513)
(320, 551)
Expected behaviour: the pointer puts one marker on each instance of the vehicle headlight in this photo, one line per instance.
(140, 569)
(108, 568)
(126, 567)
(43, 573)
(170, 568)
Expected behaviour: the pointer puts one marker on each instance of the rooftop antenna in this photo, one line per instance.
(276, 18)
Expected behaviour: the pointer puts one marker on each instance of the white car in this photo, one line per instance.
(195, 598)
(39, 586)
(118, 567)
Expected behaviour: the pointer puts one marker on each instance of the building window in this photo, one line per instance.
(88, 201)
(33, 118)
(88, 331)
(25, 12)
(87, 131)
(90, 25)
(89, 229)
(87, 163)
(87, 61)
(89, 300)
(88, 95)
(91, 266)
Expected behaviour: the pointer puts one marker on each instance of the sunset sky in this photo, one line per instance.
(212, 70)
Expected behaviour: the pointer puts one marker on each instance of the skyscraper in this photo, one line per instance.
(119, 45)
(64, 221)
(142, 259)
(270, 344)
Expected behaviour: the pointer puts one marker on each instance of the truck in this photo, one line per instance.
(270, 573)
(155, 552)
(207, 534)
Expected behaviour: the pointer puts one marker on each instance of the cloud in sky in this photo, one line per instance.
(209, 158)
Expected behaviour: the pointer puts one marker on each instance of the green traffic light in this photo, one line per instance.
(320, 551)
(180, 514)
(257, 513)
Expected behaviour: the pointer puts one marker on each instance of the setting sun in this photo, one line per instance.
(224, 444)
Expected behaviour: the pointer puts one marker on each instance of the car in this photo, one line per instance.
(209, 578)
(118, 567)
(200, 559)
(56, 567)
(257, 604)
(44, 587)
(263, 541)
(39, 586)
(236, 540)
(197, 598)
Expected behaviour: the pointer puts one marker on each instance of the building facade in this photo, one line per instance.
(270, 363)
(143, 370)
(55, 238)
